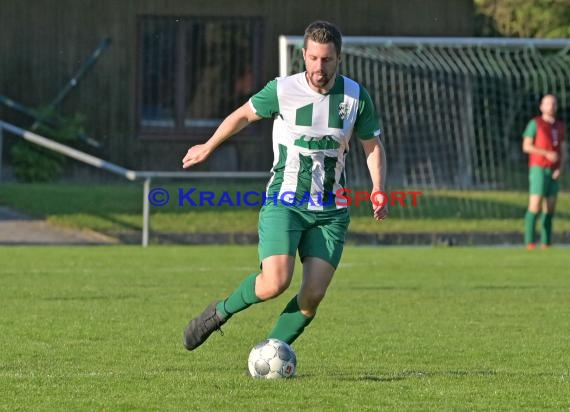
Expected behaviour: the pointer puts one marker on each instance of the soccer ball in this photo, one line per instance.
(272, 359)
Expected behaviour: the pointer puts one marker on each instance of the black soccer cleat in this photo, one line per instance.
(200, 328)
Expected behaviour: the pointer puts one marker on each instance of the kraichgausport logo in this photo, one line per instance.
(342, 197)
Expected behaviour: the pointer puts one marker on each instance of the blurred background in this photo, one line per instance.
(137, 82)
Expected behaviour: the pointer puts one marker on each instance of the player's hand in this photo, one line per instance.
(556, 174)
(379, 207)
(195, 154)
(380, 212)
(552, 156)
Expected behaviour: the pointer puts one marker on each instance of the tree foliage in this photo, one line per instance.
(32, 163)
(523, 18)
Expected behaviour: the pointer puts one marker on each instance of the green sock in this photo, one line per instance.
(546, 230)
(241, 298)
(529, 225)
(291, 323)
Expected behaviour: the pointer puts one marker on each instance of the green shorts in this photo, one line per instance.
(541, 182)
(283, 230)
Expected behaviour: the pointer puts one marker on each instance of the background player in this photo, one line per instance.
(543, 140)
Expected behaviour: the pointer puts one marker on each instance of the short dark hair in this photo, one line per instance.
(323, 32)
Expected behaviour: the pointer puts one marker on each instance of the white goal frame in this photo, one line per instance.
(470, 175)
(285, 41)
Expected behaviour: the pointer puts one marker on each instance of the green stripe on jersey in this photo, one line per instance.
(304, 115)
(304, 176)
(326, 142)
(278, 172)
(328, 183)
(336, 98)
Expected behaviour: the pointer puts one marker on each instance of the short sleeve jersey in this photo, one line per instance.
(547, 136)
(311, 134)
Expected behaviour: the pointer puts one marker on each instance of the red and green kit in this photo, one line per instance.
(547, 136)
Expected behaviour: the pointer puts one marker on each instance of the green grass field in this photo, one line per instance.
(118, 208)
(402, 329)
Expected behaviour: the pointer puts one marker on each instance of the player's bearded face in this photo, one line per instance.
(321, 62)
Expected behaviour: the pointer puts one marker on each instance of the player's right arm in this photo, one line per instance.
(529, 147)
(231, 125)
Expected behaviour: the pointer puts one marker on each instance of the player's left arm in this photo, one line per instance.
(563, 153)
(376, 161)
(367, 128)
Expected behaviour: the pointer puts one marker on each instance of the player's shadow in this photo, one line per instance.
(413, 374)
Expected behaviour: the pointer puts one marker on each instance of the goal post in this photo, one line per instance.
(452, 109)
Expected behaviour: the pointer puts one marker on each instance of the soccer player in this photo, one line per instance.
(543, 140)
(314, 113)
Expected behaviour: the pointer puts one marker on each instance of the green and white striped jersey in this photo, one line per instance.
(311, 133)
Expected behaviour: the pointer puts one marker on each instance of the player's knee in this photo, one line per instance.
(534, 208)
(549, 207)
(271, 291)
(271, 285)
(278, 287)
(310, 301)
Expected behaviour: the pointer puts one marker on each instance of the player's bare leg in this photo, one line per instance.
(274, 278)
(317, 276)
(548, 209)
(300, 311)
(534, 205)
